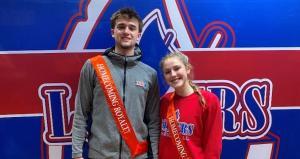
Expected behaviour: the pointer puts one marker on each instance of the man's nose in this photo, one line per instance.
(126, 30)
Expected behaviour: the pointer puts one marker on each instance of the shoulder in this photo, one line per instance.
(164, 102)
(211, 99)
(89, 62)
(166, 97)
(96, 57)
(209, 95)
(88, 66)
(147, 68)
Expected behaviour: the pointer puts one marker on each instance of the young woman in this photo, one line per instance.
(191, 120)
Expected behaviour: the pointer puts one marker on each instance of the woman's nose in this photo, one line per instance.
(173, 73)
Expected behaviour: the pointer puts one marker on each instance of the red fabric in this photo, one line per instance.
(200, 128)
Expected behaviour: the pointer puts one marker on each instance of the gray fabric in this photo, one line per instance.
(142, 106)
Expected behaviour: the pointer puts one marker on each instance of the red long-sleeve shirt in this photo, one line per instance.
(200, 127)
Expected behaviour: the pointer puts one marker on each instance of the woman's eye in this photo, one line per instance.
(177, 68)
(167, 72)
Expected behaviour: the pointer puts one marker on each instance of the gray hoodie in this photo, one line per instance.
(138, 87)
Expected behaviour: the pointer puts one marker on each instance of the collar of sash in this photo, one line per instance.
(117, 107)
(176, 136)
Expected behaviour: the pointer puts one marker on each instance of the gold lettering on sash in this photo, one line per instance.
(113, 97)
(117, 107)
(124, 125)
(176, 136)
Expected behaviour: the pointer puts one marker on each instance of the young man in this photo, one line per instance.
(120, 95)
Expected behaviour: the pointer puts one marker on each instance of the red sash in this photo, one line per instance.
(117, 107)
(176, 136)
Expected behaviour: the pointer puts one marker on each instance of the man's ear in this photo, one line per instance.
(112, 33)
(139, 36)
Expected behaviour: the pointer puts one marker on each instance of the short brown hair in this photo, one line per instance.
(126, 13)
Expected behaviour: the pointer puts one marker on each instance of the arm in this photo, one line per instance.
(212, 134)
(152, 117)
(83, 104)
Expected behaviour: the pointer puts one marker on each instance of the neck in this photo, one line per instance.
(185, 91)
(125, 52)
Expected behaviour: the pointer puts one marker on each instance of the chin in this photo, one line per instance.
(127, 46)
(175, 86)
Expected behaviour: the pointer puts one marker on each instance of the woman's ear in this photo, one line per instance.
(189, 72)
(188, 69)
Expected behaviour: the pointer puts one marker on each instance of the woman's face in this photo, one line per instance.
(176, 73)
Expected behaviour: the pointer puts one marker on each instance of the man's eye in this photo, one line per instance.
(132, 28)
(121, 27)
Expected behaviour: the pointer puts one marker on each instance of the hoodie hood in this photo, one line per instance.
(136, 57)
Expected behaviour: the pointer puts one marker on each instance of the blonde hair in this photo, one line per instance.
(185, 60)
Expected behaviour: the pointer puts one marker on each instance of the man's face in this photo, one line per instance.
(126, 33)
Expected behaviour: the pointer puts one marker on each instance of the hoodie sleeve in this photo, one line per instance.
(152, 117)
(83, 102)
